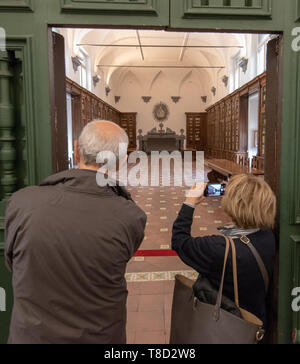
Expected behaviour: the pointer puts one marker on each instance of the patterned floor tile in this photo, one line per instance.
(159, 276)
(139, 259)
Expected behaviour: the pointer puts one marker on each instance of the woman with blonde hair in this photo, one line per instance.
(251, 204)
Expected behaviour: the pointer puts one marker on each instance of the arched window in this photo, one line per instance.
(262, 47)
(85, 72)
(235, 73)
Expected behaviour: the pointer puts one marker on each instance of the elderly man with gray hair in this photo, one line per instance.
(67, 244)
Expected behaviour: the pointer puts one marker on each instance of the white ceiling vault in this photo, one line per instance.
(145, 56)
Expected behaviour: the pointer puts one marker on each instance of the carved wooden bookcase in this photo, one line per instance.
(227, 123)
(87, 107)
(128, 123)
(196, 131)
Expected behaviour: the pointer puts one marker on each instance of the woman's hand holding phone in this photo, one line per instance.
(195, 194)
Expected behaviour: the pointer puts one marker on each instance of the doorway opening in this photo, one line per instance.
(205, 92)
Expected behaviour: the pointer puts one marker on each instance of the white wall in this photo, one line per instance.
(165, 85)
(132, 84)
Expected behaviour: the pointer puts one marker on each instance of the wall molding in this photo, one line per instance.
(296, 238)
(295, 193)
(16, 5)
(149, 7)
(297, 151)
(297, 11)
(194, 9)
(2, 226)
(296, 283)
(23, 49)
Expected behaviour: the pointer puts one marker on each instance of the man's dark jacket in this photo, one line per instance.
(68, 242)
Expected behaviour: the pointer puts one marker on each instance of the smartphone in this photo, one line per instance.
(215, 190)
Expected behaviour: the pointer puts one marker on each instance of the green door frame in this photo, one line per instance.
(26, 25)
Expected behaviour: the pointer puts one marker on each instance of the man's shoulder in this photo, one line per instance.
(24, 194)
(32, 196)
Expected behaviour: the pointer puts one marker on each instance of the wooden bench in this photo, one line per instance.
(227, 168)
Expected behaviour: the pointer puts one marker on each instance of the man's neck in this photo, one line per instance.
(87, 168)
(95, 169)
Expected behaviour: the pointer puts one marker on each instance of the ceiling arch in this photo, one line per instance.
(159, 81)
(130, 79)
(190, 77)
(206, 50)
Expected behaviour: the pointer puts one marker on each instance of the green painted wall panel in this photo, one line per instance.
(200, 9)
(290, 178)
(264, 15)
(146, 7)
(16, 5)
(125, 12)
(295, 240)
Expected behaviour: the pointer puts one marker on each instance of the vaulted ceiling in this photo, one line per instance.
(118, 54)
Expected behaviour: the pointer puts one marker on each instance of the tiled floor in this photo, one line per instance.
(150, 295)
(149, 312)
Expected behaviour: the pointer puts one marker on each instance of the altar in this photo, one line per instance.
(162, 140)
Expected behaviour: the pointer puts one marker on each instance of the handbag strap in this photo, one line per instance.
(235, 275)
(264, 272)
(229, 243)
(259, 261)
(220, 294)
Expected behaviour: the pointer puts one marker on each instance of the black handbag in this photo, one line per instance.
(206, 293)
(218, 322)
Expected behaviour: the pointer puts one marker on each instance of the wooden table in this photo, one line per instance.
(228, 168)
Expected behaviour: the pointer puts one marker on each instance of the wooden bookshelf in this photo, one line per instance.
(196, 135)
(227, 123)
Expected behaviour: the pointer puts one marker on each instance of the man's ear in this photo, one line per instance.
(76, 152)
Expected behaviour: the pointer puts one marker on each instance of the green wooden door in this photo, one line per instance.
(268, 16)
(25, 112)
(25, 115)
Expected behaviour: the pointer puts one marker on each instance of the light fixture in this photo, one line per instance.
(244, 64)
(225, 80)
(107, 90)
(96, 80)
(175, 99)
(76, 63)
(146, 99)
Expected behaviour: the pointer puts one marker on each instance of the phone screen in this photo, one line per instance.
(215, 190)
